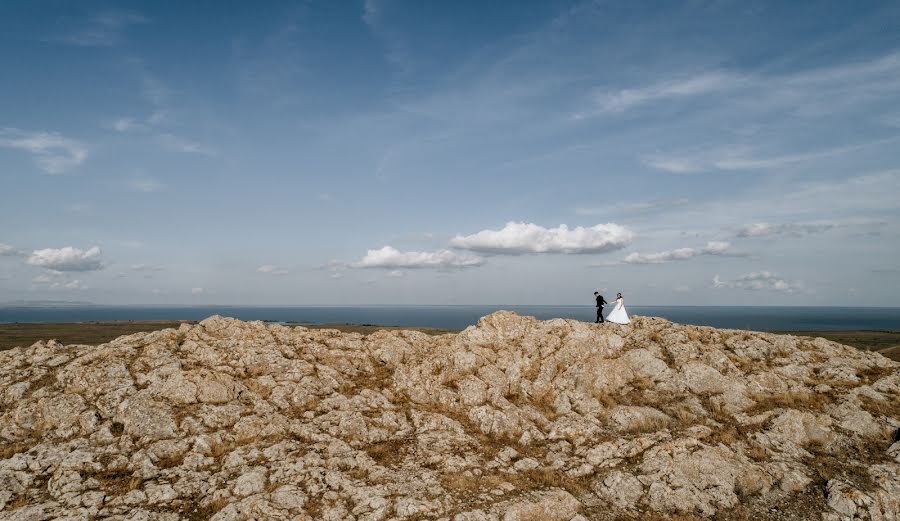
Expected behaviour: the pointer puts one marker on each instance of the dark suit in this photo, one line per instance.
(600, 303)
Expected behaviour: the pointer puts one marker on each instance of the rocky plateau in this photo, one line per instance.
(513, 419)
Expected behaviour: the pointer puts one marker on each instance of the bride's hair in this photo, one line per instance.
(618, 294)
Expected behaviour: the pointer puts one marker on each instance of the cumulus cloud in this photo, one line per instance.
(391, 258)
(520, 238)
(67, 259)
(272, 270)
(759, 280)
(712, 248)
(763, 229)
(52, 152)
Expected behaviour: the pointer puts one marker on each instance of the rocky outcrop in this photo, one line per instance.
(512, 419)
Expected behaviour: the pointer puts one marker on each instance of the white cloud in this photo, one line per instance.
(759, 280)
(105, 29)
(67, 259)
(762, 229)
(57, 281)
(181, 144)
(52, 152)
(8, 251)
(633, 207)
(125, 125)
(197, 291)
(519, 238)
(735, 158)
(700, 84)
(42, 279)
(391, 258)
(712, 248)
(396, 274)
(272, 270)
(72, 284)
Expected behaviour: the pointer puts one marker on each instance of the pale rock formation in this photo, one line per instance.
(512, 419)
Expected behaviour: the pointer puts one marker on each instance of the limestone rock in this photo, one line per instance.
(511, 419)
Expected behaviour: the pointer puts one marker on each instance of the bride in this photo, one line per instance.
(618, 314)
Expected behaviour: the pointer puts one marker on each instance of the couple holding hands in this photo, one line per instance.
(618, 314)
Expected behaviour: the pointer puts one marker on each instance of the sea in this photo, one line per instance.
(460, 316)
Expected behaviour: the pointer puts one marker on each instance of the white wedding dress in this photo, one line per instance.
(618, 314)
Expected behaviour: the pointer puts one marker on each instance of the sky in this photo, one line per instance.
(702, 152)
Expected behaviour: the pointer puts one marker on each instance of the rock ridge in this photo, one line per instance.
(511, 419)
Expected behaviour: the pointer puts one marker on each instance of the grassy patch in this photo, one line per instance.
(90, 333)
(889, 408)
(117, 483)
(8, 450)
(387, 453)
(788, 400)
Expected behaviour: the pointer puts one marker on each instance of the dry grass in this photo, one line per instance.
(874, 373)
(789, 400)
(543, 478)
(314, 507)
(387, 453)
(889, 408)
(198, 512)
(649, 424)
(726, 435)
(682, 413)
(8, 450)
(380, 377)
(467, 486)
(470, 485)
(116, 483)
(220, 448)
(756, 453)
(18, 502)
(48, 379)
(170, 461)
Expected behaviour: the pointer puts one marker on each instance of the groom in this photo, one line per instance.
(600, 303)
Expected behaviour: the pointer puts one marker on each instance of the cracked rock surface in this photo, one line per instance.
(511, 419)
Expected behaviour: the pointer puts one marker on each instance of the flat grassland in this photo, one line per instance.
(94, 333)
(887, 342)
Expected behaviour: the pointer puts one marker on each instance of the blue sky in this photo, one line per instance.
(388, 152)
